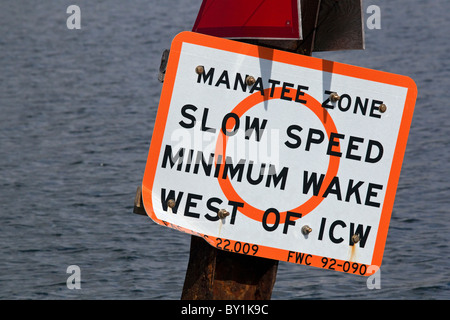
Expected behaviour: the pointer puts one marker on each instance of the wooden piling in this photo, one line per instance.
(214, 274)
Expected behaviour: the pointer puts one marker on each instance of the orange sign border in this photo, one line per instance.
(296, 60)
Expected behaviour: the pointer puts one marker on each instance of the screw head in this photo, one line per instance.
(223, 213)
(250, 80)
(306, 230)
(334, 97)
(171, 203)
(355, 238)
(199, 69)
(382, 108)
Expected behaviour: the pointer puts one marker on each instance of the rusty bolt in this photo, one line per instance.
(306, 230)
(355, 238)
(223, 213)
(199, 69)
(171, 203)
(334, 97)
(383, 108)
(250, 80)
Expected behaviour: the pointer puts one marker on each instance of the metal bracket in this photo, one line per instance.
(138, 203)
(163, 66)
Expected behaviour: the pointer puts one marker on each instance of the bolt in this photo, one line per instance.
(199, 69)
(334, 97)
(355, 238)
(383, 108)
(171, 203)
(250, 80)
(306, 230)
(223, 213)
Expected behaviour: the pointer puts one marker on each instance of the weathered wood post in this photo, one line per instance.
(221, 275)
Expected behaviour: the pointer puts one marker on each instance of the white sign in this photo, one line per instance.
(278, 155)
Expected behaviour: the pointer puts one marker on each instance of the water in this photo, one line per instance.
(77, 109)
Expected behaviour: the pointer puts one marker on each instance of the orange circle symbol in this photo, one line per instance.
(333, 165)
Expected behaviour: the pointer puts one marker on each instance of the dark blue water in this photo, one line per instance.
(77, 109)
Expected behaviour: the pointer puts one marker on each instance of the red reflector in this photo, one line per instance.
(263, 19)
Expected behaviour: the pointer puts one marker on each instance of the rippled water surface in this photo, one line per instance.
(77, 109)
